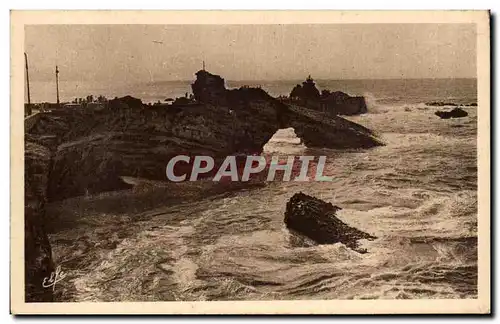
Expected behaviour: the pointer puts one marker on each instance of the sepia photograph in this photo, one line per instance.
(231, 162)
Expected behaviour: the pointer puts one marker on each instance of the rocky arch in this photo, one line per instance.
(284, 140)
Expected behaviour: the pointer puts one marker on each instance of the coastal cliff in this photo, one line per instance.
(38, 260)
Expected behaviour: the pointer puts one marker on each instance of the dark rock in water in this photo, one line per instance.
(334, 103)
(316, 219)
(321, 131)
(454, 113)
(341, 103)
(37, 250)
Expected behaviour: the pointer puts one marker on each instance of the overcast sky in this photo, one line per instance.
(137, 53)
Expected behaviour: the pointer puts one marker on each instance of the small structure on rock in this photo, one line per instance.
(316, 219)
(307, 91)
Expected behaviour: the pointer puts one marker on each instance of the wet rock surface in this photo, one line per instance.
(37, 250)
(454, 113)
(315, 219)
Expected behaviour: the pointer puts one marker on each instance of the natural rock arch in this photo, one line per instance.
(284, 140)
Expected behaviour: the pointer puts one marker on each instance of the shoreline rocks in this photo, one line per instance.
(315, 219)
(38, 259)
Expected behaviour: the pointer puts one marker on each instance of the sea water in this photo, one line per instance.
(417, 195)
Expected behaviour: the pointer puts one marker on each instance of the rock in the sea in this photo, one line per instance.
(315, 219)
(321, 131)
(454, 113)
(333, 103)
(37, 250)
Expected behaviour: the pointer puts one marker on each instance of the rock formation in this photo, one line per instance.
(91, 150)
(454, 113)
(78, 152)
(316, 219)
(209, 88)
(307, 91)
(37, 251)
(334, 103)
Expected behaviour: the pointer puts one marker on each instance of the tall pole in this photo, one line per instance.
(27, 79)
(57, 85)
(203, 65)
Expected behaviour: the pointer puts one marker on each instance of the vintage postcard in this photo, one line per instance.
(274, 162)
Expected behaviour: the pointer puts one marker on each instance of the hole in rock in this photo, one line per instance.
(285, 141)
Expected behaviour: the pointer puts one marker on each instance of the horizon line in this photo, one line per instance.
(273, 80)
(321, 79)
